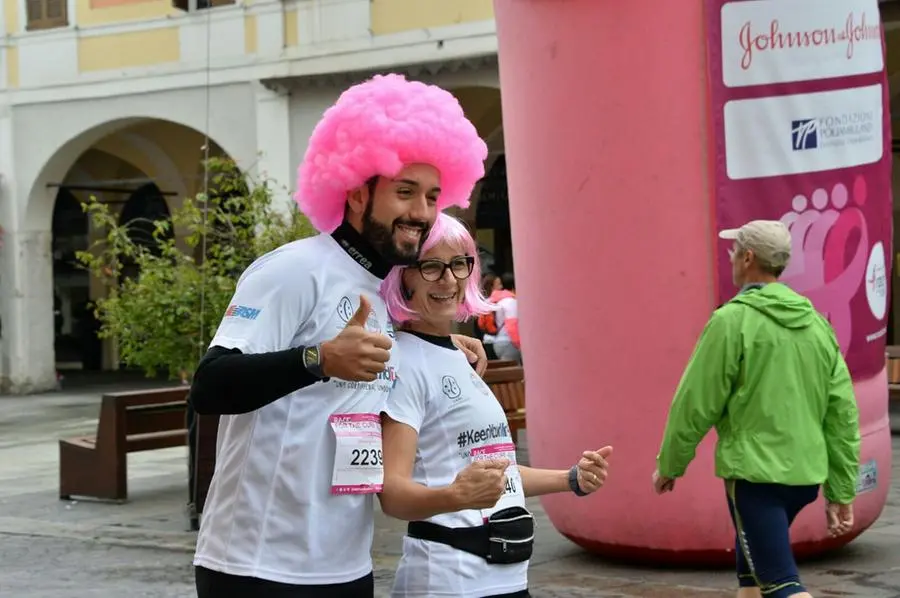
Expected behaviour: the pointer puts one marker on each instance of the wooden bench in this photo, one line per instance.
(894, 393)
(892, 354)
(508, 385)
(143, 420)
(501, 363)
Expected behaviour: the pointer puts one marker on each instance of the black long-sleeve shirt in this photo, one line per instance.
(229, 382)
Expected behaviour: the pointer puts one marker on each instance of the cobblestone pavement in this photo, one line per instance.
(51, 548)
(55, 567)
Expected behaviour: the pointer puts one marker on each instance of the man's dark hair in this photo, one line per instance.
(509, 281)
(371, 183)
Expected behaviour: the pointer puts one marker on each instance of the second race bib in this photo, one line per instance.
(514, 494)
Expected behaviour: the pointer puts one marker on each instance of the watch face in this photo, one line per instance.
(311, 356)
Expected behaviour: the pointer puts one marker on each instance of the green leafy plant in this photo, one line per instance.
(165, 301)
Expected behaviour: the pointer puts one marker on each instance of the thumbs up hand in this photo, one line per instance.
(593, 468)
(355, 353)
(361, 315)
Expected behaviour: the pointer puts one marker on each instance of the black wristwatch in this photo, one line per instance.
(573, 482)
(312, 361)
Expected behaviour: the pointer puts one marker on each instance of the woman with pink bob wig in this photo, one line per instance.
(449, 459)
(377, 128)
(449, 231)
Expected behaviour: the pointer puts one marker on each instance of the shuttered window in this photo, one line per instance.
(201, 4)
(46, 14)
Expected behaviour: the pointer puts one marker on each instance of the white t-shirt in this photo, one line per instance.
(507, 308)
(457, 417)
(270, 512)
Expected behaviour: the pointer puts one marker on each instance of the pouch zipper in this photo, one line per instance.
(516, 518)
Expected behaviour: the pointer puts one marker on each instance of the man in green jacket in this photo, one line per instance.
(767, 373)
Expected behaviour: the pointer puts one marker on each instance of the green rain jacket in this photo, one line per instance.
(767, 373)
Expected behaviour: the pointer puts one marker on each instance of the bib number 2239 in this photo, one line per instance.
(358, 463)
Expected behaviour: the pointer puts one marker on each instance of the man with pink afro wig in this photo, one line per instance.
(303, 360)
(378, 128)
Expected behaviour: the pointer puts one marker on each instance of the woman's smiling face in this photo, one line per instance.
(437, 283)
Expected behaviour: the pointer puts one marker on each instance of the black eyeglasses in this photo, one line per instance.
(433, 270)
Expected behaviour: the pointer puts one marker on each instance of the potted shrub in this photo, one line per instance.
(167, 295)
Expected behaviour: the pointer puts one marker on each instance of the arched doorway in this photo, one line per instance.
(492, 218)
(142, 210)
(140, 172)
(82, 153)
(227, 216)
(71, 286)
(488, 214)
(892, 39)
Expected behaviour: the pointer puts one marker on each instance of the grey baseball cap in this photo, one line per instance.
(769, 240)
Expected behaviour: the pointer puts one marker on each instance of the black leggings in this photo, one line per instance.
(762, 515)
(213, 584)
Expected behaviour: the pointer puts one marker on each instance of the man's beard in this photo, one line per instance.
(381, 238)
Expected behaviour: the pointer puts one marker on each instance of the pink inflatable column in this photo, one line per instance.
(605, 111)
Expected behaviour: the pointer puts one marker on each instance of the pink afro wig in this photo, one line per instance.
(451, 231)
(377, 128)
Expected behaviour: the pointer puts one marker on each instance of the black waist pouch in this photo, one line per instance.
(506, 538)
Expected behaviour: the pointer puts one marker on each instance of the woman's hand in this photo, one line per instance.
(481, 484)
(593, 469)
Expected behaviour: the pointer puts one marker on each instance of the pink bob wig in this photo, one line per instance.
(451, 231)
(377, 128)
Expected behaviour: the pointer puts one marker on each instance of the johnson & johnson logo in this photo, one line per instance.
(855, 30)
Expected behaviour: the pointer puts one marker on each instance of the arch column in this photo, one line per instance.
(27, 291)
(273, 141)
(26, 286)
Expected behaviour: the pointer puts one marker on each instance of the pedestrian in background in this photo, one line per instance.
(768, 374)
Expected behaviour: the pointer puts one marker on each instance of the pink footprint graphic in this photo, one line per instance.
(820, 245)
(799, 222)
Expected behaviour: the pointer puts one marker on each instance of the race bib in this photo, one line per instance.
(514, 494)
(358, 463)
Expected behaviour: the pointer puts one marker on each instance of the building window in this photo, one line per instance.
(46, 14)
(201, 4)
